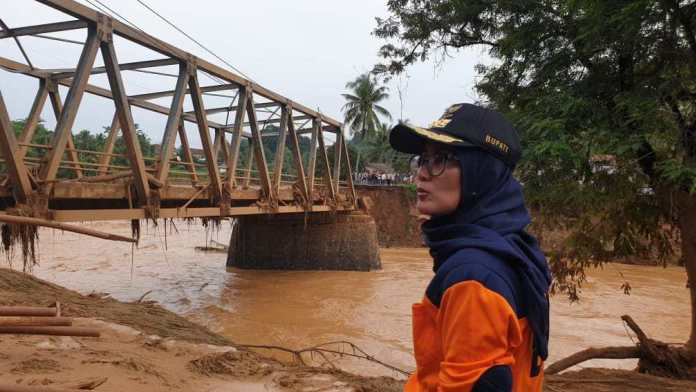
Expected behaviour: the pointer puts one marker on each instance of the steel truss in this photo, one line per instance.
(152, 188)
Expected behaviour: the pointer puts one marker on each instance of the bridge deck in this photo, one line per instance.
(65, 182)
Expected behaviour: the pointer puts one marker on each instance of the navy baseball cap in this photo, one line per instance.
(462, 125)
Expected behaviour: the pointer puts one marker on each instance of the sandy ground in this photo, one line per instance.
(146, 348)
(133, 361)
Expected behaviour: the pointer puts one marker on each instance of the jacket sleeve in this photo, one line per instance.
(479, 329)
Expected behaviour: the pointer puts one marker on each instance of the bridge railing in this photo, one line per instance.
(257, 113)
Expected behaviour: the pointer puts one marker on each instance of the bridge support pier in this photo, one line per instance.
(317, 241)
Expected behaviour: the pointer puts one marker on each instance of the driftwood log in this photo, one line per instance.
(656, 358)
(622, 352)
(28, 311)
(24, 220)
(35, 321)
(52, 331)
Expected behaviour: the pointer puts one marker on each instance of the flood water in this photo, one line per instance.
(298, 309)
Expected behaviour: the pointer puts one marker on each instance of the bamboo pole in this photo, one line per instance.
(23, 220)
(53, 331)
(27, 311)
(35, 321)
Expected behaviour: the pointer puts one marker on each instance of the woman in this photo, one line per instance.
(483, 324)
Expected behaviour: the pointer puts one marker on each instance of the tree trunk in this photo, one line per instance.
(623, 352)
(687, 227)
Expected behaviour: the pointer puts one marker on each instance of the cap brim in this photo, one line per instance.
(410, 139)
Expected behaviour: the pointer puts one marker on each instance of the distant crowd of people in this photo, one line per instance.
(387, 179)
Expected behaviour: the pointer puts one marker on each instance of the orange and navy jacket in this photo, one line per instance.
(470, 332)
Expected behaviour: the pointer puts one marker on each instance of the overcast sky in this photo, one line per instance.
(304, 49)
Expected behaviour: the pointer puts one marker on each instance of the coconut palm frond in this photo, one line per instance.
(362, 109)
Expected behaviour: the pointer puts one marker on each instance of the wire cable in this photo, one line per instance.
(115, 14)
(194, 40)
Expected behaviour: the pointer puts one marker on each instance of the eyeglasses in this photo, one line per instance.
(435, 164)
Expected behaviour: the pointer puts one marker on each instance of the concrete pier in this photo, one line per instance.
(316, 241)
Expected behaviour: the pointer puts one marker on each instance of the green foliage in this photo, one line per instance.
(580, 79)
(84, 140)
(362, 110)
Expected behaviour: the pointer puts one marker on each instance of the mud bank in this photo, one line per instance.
(144, 347)
(393, 210)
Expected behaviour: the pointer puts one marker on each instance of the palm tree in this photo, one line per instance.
(362, 110)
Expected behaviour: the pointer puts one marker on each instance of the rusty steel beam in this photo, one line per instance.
(72, 103)
(173, 121)
(167, 93)
(204, 132)
(32, 120)
(125, 119)
(250, 161)
(349, 170)
(188, 157)
(82, 12)
(57, 105)
(19, 44)
(225, 109)
(228, 157)
(16, 170)
(176, 193)
(141, 213)
(337, 160)
(269, 121)
(14, 66)
(124, 67)
(237, 137)
(259, 154)
(218, 142)
(327, 166)
(297, 157)
(311, 168)
(43, 28)
(221, 144)
(105, 160)
(280, 150)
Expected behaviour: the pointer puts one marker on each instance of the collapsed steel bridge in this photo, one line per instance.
(68, 184)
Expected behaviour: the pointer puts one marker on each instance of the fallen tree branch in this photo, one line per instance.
(25, 220)
(654, 357)
(658, 358)
(621, 352)
(320, 350)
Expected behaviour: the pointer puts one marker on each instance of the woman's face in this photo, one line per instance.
(438, 195)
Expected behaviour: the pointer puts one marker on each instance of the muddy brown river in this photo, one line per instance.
(371, 309)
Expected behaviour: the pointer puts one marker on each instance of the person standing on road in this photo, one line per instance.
(483, 324)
